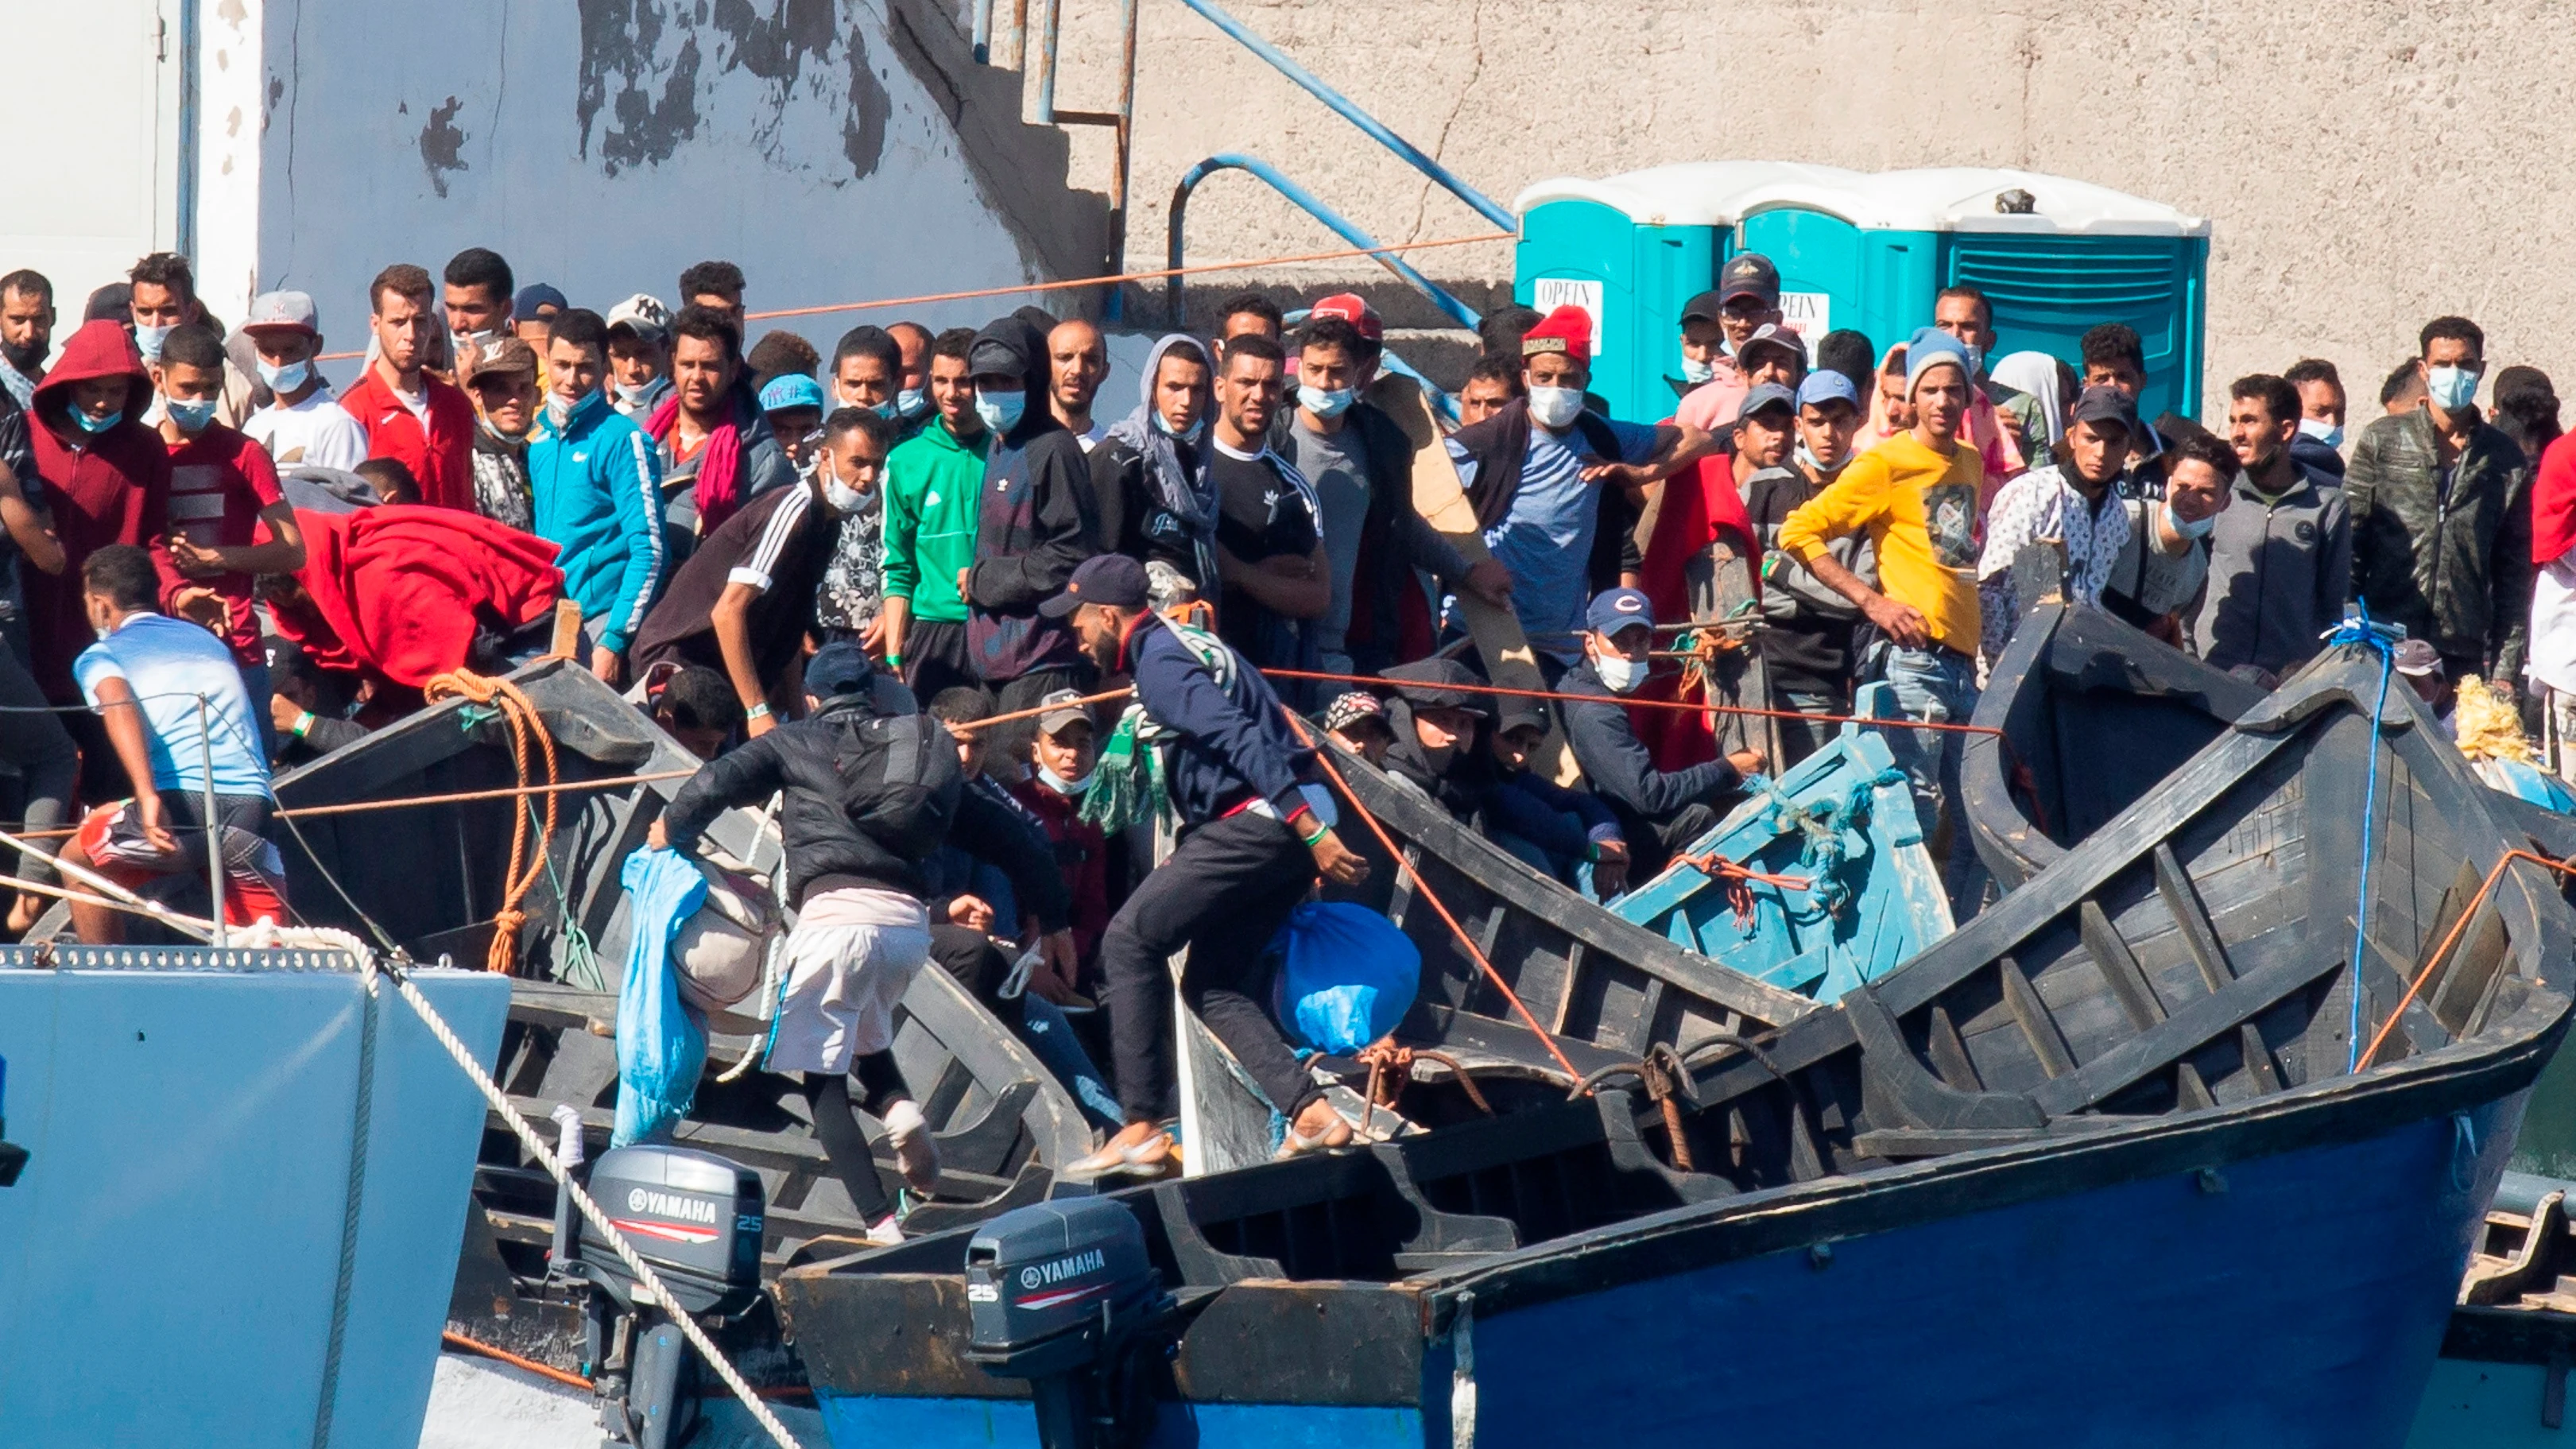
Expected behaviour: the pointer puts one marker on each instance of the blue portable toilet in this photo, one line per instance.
(1865, 251)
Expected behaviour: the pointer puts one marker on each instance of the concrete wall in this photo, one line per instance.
(2368, 164)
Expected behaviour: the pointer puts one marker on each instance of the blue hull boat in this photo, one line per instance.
(245, 1183)
(1840, 890)
(2136, 1156)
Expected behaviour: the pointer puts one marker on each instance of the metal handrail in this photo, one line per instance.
(1342, 226)
(1349, 110)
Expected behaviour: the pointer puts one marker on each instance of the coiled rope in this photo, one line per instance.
(520, 713)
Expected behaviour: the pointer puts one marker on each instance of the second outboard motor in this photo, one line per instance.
(1061, 1294)
(697, 1219)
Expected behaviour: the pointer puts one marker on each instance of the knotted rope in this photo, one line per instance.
(520, 713)
(2382, 640)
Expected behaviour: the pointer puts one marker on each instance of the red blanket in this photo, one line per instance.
(1700, 506)
(399, 591)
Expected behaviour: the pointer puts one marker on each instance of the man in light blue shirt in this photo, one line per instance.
(176, 712)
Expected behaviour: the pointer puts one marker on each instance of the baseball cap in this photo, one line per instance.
(1749, 274)
(2418, 658)
(1351, 708)
(507, 355)
(535, 296)
(283, 312)
(1773, 335)
(2099, 404)
(1351, 308)
(643, 315)
(791, 390)
(1615, 609)
(1440, 682)
(1063, 707)
(1768, 395)
(838, 668)
(1104, 578)
(1825, 385)
(1706, 307)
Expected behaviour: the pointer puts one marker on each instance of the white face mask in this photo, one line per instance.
(912, 402)
(1622, 674)
(2330, 434)
(1695, 371)
(1062, 786)
(558, 408)
(1807, 459)
(844, 499)
(284, 379)
(1001, 411)
(1553, 408)
(2187, 529)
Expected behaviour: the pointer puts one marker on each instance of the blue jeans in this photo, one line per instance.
(1939, 686)
(1050, 1038)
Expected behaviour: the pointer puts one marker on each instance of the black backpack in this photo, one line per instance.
(899, 781)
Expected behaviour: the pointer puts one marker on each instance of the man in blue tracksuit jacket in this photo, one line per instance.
(598, 490)
(1251, 843)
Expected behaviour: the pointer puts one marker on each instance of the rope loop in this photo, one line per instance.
(520, 713)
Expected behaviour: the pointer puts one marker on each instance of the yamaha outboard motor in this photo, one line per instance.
(1061, 1294)
(696, 1219)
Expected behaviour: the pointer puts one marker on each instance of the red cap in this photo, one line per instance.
(1350, 308)
(1568, 329)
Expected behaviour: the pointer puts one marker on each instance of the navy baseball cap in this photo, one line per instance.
(1616, 609)
(536, 297)
(1825, 385)
(1749, 274)
(838, 668)
(1104, 578)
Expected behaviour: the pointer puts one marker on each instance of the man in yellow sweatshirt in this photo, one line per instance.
(1915, 495)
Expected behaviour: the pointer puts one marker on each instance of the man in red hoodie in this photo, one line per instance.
(410, 416)
(107, 477)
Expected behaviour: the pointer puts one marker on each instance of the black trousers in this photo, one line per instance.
(935, 657)
(844, 1141)
(1223, 894)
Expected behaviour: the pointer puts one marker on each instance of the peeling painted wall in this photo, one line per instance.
(2368, 164)
(605, 145)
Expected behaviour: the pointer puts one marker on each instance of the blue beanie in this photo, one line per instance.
(1931, 347)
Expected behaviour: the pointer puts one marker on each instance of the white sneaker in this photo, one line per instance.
(916, 1152)
(886, 1234)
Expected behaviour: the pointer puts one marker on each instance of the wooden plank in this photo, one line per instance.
(2031, 1014)
(1949, 1053)
(2190, 1092)
(1573, 982)
(2258, 1058)
(2118, 965)
(2192, 918)
(2182, 1033)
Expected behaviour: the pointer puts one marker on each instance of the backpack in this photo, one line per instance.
(899, 781)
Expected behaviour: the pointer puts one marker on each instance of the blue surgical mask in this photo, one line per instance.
(1323, 403)
(912, 402)
(1697, 370)
(284, 379)
(88, 424)
(149, 340)
(886, 410)
(191, 414)
(1000, 411)
(2189, 529)
(2330, 434)
(2452, 388)
(1807, 459)
(1163, 425)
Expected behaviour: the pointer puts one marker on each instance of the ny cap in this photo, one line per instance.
(283, 312)
(1616, 609)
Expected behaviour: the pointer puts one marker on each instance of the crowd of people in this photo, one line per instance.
(217, 562)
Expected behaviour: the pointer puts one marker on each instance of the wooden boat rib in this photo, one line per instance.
(2115, 1098)
(431, 878)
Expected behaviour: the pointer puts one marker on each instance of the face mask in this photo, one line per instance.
(1324, 404)
(1000, 412)
(2189, 530)
(90, 424)
(845, 500)
(912, 402)
(1060, 785)
(1695, 371)
(191, 415)
(558, 408)
(2321, 430)
(284, 379)
(1164, 426)
(2452, 387)
(885, 410)
(1622, 674)
(1555, 407)
(149, 340)
(1807, 460)
(477, 341)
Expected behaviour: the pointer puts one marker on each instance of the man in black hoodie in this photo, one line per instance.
(1438, 715)
(1036, 522)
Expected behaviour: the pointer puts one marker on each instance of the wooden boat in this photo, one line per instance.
(429, 880)
(1606, 989)
(2013, 1176)
(2501, 1380)
(1851, 890)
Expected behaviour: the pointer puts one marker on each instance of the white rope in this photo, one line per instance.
(545, 1156)
(186, 925)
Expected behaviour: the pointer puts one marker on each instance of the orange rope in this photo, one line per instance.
(1716, 865)
(1324, 757)
(524, 720)
(1088, 700)
(542, 1370)
(2442, 952)
(407, 802)
(1893, 724)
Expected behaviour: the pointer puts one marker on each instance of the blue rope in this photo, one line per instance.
(2381, 639)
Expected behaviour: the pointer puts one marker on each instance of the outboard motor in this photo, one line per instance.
(696, 1218)
(1061, 1294)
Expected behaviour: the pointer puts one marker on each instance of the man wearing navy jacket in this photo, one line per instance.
(1255, 832)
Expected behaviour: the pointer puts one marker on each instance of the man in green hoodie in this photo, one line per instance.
(934, 486)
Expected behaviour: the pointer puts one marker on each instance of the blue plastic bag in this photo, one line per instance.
(1346, 977)
(661, 1045)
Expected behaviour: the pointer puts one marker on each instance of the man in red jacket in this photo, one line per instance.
(107, 480)
(410, 416)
